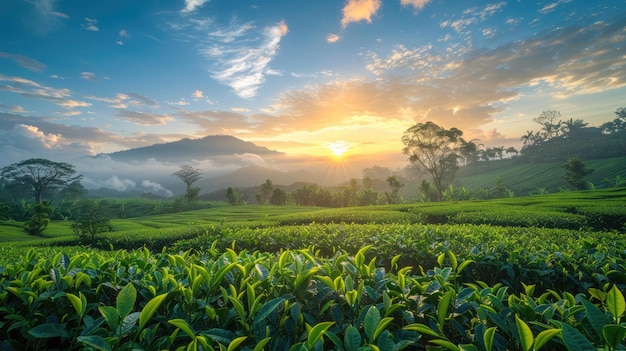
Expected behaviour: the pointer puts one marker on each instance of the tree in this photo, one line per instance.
(233, 196)
(91, 222)
(434, 150)
(40, 219)
(40, 174)
(267, 189)
(395, 186)
(279, 197)
(469, 150)
(189, 175)
(575, 172)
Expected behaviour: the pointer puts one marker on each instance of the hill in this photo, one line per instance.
(197, 149)
(524, 178)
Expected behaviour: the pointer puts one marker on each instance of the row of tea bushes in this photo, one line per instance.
(292, 300)
(558, 259)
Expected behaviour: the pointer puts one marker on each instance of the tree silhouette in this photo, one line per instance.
(435, 150)
(575, 172)
(189, 175)
(40, 174)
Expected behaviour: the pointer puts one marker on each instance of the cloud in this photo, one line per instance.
(12, 108)
(45, 18)
(156, 188)
(359, 10)
(238, 64)
(124, 34)
(332, 38)
(142, 118)
(89, 76)
(552, 6)
(123, 101)
(90, 24)
(192, 5)
(473, 16)
(417, 4)
(118, 184)
(31, 89)
(180, 102)
(198, 94)
(26, 62)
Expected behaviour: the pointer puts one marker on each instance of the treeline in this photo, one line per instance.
(367, 191)
(558, 140)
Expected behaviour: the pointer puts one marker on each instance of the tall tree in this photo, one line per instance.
(395, 186)
(434, 150)
(267, 189)
(189, 175)
(575, 172)
(40, 174)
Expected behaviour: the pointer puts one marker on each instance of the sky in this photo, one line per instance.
(317, 80)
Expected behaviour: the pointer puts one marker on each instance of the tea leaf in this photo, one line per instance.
(316, 333)
(525, 334)
(448, 345)
(126, 300)
(184, 326)
(615, 303)
(370, 323)
(352, 338)
(490, 333)
(442, 307)
(573, 339)
(613, 334)
(149, 309)
(49, 330)
(236, 342)
(545, 336)
(95, 341)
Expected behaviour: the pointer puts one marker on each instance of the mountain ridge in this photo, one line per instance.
(187, 149)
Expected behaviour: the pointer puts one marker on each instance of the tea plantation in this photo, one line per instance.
(544, 272)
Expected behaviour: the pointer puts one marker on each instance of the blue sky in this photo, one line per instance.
(86, 77)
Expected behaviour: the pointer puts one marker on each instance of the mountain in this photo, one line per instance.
(193, 149)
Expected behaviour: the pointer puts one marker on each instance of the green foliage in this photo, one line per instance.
(91, 222)
(39, 221)
(575, 172)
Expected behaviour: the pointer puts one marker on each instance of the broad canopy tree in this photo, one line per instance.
(40, 174)
(434, 150)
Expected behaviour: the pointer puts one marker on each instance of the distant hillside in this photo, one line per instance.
(188, 149)
(251, 176)
(528, 177)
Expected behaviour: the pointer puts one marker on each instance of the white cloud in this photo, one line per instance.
(552, 6)
(192, 5)
(473, 16)
(156, 188)
(124, 34)
(332, 38)
(239, 65)
(198, 94)
(118, 184)
(12, 108)
(89, 76)
(90, 24)
(417, 4)
(180, 102)
(26, 62)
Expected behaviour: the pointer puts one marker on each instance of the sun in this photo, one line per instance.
(338, 148)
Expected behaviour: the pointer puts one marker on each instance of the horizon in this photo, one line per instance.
(332, 85)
